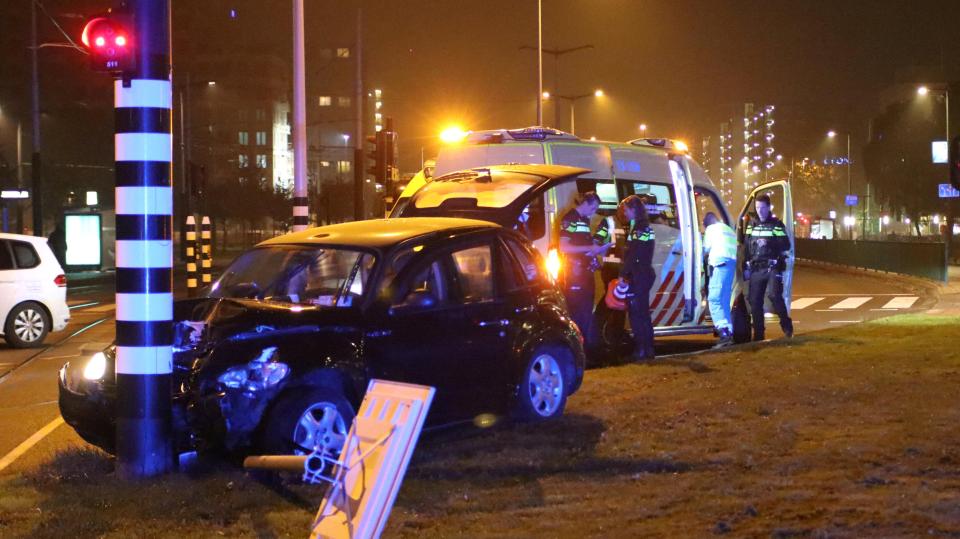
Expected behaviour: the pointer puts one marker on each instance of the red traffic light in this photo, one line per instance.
(108, 39)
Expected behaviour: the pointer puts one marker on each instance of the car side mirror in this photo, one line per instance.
(415, 301)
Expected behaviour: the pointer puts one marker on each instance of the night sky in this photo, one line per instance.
(681, 67)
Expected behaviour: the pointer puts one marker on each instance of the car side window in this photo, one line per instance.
(474, 269)
(6, 258)
(428, 287)
(25, 255)
(525, 259)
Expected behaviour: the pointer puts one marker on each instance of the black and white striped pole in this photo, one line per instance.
(301, 211)
(190, 251)
(206, 257)
(144, 206)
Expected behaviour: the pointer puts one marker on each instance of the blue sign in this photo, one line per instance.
(948, 191)
(852, 200)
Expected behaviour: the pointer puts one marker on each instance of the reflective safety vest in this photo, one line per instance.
(720, 243)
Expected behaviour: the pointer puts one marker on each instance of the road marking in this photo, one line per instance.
(901, 302)
(851, 303)
(102, 308)
(27, 444)
(82, 305)
(803, 303)
(845, 321)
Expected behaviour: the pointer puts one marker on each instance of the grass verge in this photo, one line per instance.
(849, 432)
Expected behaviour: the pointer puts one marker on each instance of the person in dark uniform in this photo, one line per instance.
(579, 250)
(638, 274)
(768, 248)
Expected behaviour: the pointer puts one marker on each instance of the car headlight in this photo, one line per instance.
(96, 366)
(257, 375)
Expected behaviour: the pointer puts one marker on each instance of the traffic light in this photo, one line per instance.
(109, 39)
(377, 154)
(955, 162)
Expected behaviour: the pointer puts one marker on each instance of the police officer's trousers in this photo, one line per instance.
(769, 282)
(578, 289)
(638, 309)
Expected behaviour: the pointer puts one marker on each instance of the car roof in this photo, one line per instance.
(380, 233)
(36, 240)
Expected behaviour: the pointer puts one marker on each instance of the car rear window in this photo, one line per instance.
(6, 260)
(485, 191)
(25, 255)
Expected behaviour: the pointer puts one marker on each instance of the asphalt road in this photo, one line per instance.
(31, 432)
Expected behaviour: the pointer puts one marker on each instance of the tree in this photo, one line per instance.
(818, 188)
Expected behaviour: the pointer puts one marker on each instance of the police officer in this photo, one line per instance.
(576, 243)
(768, 247)
(638, 274)
(720, 248)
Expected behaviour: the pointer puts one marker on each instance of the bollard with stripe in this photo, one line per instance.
(206, 257)
(190, 250)
(144, 250)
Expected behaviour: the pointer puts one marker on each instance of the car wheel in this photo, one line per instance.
(307, 418)
(543, 386)
(27, 325)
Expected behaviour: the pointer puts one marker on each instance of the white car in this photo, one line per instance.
(33, 290)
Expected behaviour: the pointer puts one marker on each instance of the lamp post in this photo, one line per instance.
(833, 134)
(556, 53)
(923, 91)
(643, 130)
(573, 101)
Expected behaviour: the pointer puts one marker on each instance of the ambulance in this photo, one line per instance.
(534, 199)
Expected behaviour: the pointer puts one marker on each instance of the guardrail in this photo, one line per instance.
(926, 259)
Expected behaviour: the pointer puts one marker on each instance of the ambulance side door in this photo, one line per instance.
(781, 200)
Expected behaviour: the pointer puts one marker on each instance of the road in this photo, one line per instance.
(30, 430)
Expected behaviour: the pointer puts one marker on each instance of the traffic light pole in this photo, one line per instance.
(144, 207)
(301, 211)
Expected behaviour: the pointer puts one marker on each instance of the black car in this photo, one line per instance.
(277, 357)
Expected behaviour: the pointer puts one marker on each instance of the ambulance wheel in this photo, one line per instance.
(740, 318)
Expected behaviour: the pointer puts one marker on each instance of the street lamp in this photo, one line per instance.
(573, 101)
(833, 134)
(922, 91)
(643, 130)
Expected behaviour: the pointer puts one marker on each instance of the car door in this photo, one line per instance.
(8, 285)
(781, 199)
(415, 340)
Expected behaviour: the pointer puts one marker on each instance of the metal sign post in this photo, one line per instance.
(144, 206)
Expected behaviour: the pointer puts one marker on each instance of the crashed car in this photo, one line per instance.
(277, 356)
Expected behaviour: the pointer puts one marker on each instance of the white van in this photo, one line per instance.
(33, 291)
(660, 169)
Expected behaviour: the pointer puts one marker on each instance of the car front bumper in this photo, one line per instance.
(88, 407)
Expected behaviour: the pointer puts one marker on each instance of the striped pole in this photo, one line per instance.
(191, 254)
(144, 208)
(300, 210)
(206, 258)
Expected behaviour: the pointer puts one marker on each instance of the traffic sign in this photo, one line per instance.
(7, 194)
(948, 191)
(852, 200)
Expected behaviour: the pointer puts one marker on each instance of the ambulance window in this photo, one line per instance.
(707, 202)
(659, 199)
(481, 155)
(592, 157)
(607, 191)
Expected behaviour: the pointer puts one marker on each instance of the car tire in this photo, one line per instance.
(303, 417)
(27, 325)
(544, 383)
(740, 318)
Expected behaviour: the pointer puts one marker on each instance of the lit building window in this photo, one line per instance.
(343, 101)
(261, 161)
(243, 138)
(324, 163)
(243, 161)
(261, 138)
(343, 166)
(343, 52)
(324, 100)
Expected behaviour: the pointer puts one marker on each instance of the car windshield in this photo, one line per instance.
(304, 275)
